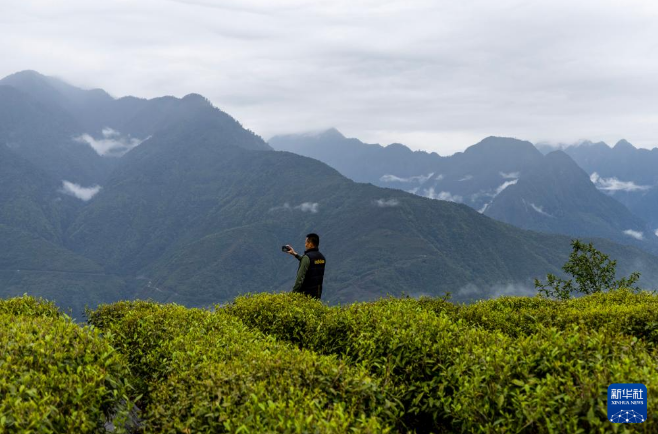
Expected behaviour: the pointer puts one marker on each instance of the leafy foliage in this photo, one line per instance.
(56, 376)
(592, 270)
(207, 372)
(454, 373)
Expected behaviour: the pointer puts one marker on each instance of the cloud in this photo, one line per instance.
(511, 175)
(443, 195)
(466, 178)
(504, 186)
(439, 177)
(614, 184)
(112, 144)
(493, 195)
(386, 203)
(82, 193)
(494, 291)
(421, 179)
(656, 232)
(540, 210)
(635, 234)
(381, 70)
(312, 207)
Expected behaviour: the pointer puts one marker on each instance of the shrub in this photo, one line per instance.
(293, 317)
(465, 374)
(56, 376)
(208, 372)
(619, 311)
(30, 306)
(554, 381)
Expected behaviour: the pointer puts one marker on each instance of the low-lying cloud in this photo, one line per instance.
(634, 234)
(493, 195)
(112, 144)
(614, 184)
(504, 186)
(466, 178)
(312, 207)
(442, 195)
(473, 291)
(511, 175)
(540, 210)
(421, 179)
(82, 193)
(382, 203)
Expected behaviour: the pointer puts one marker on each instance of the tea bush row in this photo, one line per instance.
(617, 312)
(207, 372)
(453, 375)
(56, 376)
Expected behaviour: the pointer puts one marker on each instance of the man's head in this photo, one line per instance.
(312, 241)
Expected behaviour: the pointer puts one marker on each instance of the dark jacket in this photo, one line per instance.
(310, 273)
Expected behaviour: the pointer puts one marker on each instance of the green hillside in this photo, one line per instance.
(204, 221)
(197, 213)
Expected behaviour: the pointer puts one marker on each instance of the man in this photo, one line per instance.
(310, 272)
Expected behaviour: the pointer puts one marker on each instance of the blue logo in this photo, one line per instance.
(627, 403)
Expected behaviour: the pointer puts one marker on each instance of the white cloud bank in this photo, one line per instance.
(386, 203)
(312, 207)
(504, 185)
(634, 234)
(442, 195)
(614, 184)
(112, 144)
(381, 69)
(493, 195)
(82, 193)
(421, 179)
(540, 210)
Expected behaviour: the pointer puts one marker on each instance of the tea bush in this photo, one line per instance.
(620, 312)
(56, 376)
(454, 373)
(28, 305)
(208, 372)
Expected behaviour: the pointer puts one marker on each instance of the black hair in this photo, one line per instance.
(314, 239)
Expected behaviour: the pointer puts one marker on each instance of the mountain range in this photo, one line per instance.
(624, 172)
(172, 199)
(504, 178)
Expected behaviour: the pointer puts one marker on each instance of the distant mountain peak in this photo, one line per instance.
(560, 157)
(397, 147)
(332, 133)
(499, 145)
(26, 73)
(194, 97)
(624, 144)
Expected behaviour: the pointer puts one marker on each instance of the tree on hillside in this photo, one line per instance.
(591, 270)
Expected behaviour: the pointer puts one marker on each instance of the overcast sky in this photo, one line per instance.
(434, 75)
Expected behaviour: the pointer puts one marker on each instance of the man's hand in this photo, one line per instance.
(291, 251)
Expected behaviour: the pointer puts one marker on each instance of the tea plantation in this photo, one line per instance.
(285, 363)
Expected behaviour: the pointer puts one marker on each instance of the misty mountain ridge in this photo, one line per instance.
(485, 176)
(196, 214)
(624, 172)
